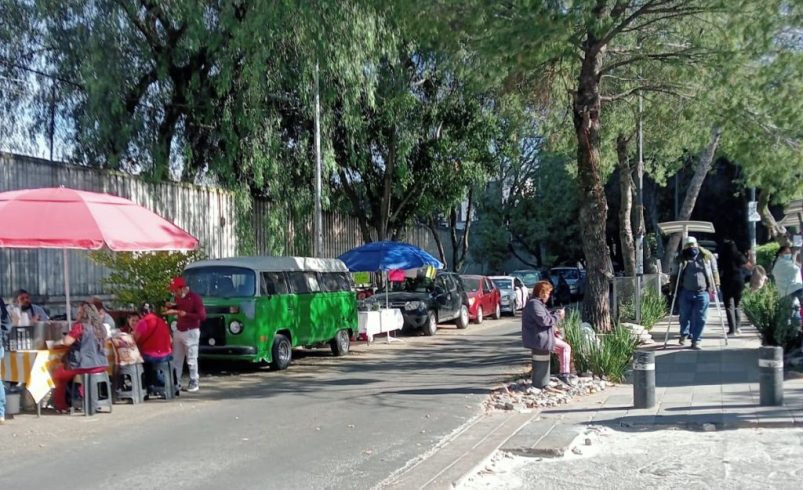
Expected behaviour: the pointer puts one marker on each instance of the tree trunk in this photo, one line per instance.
(433, 228)
(626, 206)
(777, 231)
(586, 108)
(700, 171)
(460, 244)
(387, 188)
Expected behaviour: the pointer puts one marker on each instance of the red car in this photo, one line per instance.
(483, 298)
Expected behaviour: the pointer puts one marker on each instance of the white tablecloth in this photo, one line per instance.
(376, 322)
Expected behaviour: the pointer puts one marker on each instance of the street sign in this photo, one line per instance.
(752, 211)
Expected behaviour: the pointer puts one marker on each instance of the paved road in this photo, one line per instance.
(324, 423)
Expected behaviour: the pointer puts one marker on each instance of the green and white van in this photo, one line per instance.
(259, 308)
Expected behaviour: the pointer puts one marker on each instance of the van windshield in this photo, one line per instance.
(221, 281)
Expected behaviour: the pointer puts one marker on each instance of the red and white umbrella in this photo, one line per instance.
(66, 218)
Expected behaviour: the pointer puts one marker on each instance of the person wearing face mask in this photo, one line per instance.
(788, 280)
(786, 273)
(698, 281)
(189, 312)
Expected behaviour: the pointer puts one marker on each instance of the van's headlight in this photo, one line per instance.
(471, 301)
(235, 327)
(412, 305)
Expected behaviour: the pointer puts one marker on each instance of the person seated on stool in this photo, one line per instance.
(539, 329)
(86, 342)
(153, 339)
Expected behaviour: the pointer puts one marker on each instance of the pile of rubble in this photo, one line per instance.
(521, 395)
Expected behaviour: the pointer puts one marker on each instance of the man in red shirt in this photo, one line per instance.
(189, 312)
(153, 340)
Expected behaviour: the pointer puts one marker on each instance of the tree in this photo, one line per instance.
(535, 44)
(416, 151)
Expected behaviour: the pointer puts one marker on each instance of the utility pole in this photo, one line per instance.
(52, 128)
(318, 248)
(752, 226)
(639, 210)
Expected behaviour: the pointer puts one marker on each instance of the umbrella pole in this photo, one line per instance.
(387, 303)
(67, 286)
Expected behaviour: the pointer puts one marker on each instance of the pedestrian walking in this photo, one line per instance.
(189, 311)
(698, 280)
(731, 271)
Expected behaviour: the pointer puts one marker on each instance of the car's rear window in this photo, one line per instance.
(503, 283)
(472, 284)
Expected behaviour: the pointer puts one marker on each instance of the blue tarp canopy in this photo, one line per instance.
(386, 256)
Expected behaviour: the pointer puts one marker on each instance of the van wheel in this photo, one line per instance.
(340, 344)
(479, 316)
(497, 312)
(462, 318)
(281, 352)
(432, 324)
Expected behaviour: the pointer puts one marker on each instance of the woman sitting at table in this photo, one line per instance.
(153, 339)
(86, 355)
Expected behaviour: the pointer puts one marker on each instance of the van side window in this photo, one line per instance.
(486, 286)
(273, 283)
(344, 281)
(298, 282)
(312, 282)
(451, 285)
(329, 282)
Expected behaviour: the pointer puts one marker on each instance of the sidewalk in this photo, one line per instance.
(712, 389)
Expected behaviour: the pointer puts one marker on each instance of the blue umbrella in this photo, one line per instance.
(386, 256)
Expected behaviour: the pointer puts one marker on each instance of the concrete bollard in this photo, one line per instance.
(541, 360)
(770, 377)
(644, 379)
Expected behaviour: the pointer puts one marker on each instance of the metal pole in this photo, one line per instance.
(540, 364)
(67, 286)
(770, 381)
(639, 211)
(644, 379)
(318, 213)
(752, 228)
(52, 117)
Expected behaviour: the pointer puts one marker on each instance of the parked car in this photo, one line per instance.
(528, 276)
(513, 292)
(484, 298)
(573, 276)
(426, 302)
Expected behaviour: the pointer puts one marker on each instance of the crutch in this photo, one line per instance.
(672, 308)
(721, 320)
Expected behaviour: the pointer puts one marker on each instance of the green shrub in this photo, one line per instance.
(143, 277)
(608, 355)
(611, 355)
(765, 255)
(653, 308)
(574, 336)
(771, 315)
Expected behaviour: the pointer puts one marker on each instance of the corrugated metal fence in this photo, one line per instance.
(206, 212)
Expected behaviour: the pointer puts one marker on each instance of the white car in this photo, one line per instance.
(513, 292)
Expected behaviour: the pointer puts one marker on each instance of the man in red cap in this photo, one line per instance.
(189, 312)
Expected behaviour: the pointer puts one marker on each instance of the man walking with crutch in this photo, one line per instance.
(698, 282)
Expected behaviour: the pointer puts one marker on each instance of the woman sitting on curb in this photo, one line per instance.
(539, 329)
